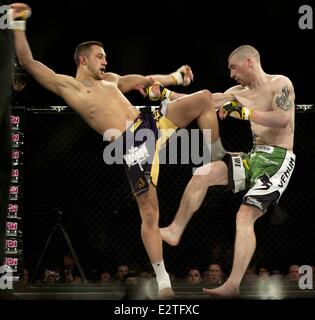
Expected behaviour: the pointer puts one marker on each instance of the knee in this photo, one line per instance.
(206, 95)
(246, 217)
(202, 176)
(209, 175)
(149, 215)
(198, 181)
(206, 100)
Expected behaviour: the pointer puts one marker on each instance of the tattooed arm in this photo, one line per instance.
(282, 105)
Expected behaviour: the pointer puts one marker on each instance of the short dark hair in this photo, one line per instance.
(85, 47)
(246, 51)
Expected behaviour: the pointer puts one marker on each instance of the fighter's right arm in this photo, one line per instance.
(219, 98)
(157, 92)
(45, 76)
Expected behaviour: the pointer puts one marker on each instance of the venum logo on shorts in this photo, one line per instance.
(265, 182)
(254, 202)
(287, 173)
(137, 155)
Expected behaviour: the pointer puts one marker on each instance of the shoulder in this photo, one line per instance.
(280, 81)
(65, 80)
(282, 86)
(112, 77)
(234, 89)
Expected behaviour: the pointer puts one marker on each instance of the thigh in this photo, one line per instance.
(184, 110)
(213, 174)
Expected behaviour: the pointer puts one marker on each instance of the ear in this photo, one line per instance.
(83, 60)
(249, 62)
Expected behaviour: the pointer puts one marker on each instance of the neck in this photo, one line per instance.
(82, 75)
(259, 79)
(85, 78)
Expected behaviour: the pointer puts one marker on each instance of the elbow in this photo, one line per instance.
(24, 61)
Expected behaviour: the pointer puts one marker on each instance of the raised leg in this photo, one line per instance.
(211, 174)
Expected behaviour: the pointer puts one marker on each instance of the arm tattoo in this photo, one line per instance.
(283, 101)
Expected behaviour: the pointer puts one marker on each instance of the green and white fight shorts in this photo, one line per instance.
(265, 171)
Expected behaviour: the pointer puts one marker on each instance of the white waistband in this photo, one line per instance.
(264, 148)
(147, 108)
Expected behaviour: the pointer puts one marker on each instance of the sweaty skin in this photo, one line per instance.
(267, 98)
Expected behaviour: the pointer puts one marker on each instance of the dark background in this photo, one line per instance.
(158, 37)
(63, 157)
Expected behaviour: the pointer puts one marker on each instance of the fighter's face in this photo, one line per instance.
(96, 62)
(239, 70)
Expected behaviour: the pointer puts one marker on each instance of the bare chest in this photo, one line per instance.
(96, 97)
(260, 99)
(98, 90)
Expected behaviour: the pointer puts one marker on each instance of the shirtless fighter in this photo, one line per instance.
(267, 101)
(98, 97)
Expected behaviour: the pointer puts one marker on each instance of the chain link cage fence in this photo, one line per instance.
(66, 180)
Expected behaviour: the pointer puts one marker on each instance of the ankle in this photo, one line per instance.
(162, 277)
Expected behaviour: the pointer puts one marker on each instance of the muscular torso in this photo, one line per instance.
(262, 99)
(101, 104)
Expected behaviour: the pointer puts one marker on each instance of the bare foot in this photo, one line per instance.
(166, 293)
(225, 291)
(170, 235)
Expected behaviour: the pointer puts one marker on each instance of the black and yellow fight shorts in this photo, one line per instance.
(141, 144)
